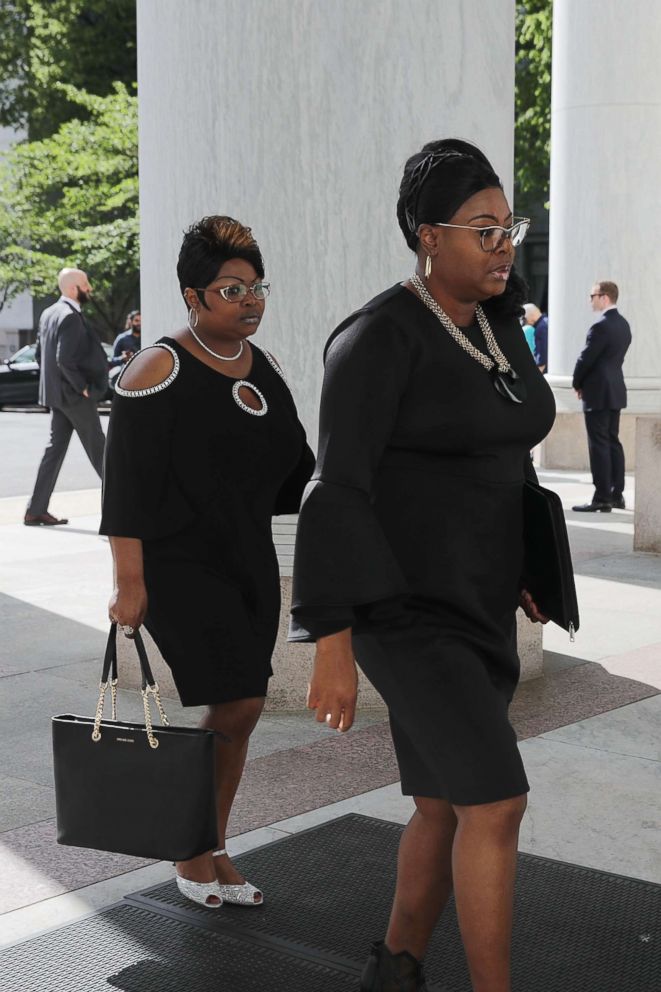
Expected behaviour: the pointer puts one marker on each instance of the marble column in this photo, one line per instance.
(296, 117)
(15, 316)
(605, 210)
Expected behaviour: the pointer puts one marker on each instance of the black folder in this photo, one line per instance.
(548, 573)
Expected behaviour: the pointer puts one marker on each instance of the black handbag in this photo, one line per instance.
(134, 788)
(548, 573)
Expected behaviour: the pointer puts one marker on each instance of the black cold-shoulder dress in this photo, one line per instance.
(411, 533)
(197, 476)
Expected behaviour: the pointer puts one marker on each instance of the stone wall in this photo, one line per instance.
(296, 117)
(647, 516)
(566, 447)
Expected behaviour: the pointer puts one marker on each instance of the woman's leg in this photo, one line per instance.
(424, 876)
(483, 869)
(236, 720)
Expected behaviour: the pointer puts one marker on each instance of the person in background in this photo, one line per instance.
(128, 342)
(539, 323)
(73, 377)
(529, 334)
(599, 384)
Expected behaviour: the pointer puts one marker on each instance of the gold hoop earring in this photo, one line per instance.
(428, 267)
(191, 313)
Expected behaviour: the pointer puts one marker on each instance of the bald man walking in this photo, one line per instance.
(73, 377)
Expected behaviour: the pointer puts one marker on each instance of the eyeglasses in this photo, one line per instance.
(491, 238)
(592, 295)
(238, 291)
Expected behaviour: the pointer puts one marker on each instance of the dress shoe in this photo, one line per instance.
(42, 520)
(386, 972)
(618, 503)
(593, 507)
(239, 895)
(200, 892)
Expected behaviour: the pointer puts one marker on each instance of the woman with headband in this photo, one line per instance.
(204, 446)
(409, 552)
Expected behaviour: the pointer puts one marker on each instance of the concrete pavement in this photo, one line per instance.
(589, 727)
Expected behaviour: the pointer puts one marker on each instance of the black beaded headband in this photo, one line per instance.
(418, 177)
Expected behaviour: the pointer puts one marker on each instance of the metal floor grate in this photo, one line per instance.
(134, 950)
(328, 893)
(329, 890)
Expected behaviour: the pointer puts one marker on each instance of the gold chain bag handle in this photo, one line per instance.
(109, 678)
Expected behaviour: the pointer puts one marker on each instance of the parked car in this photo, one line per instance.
(19, 378)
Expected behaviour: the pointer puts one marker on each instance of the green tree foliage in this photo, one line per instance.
(87, 44)
(72, 199)
(534, 23)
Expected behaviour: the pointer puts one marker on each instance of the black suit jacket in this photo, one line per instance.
(71, 357)
(598, 372)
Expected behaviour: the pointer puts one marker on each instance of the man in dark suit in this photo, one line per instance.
(73, 377)
(599, 383)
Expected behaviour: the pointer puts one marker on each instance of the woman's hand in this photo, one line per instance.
(128, 604)
(530, 608)
(334, 684)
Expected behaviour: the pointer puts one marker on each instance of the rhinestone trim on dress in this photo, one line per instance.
(244, 406)
(134, 393)
(272, 362)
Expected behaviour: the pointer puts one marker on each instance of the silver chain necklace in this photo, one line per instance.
(214, 354)
(497, 359)
(505, 380)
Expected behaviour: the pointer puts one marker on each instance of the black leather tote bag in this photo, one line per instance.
(134, 788)
(548, 573)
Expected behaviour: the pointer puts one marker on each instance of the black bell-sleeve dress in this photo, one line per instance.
(197, 476)
(411, 533)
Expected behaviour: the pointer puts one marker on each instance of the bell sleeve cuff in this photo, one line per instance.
(343, 564)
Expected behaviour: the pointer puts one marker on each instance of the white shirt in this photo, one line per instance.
(74, 303)
(613, 306)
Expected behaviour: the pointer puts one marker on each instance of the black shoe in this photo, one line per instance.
(618, 503)
(42, 520)
(386, 972)
(593, 507)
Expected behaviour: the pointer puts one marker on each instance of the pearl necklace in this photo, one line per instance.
(505, 379)
(214, 354)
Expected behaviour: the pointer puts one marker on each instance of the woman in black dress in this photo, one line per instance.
(410, 547)
(204, 446)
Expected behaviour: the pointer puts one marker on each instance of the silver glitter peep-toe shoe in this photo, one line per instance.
(239, 895)
(200, 892)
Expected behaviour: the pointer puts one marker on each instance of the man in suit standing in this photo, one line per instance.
(73, 377)
(599, 383)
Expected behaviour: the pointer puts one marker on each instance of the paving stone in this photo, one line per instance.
(24, 802)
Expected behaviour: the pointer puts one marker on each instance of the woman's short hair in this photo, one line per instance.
(208, 244)
(437, 180)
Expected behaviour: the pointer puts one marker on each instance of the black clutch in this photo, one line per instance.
(134, 788)
(548, 573)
